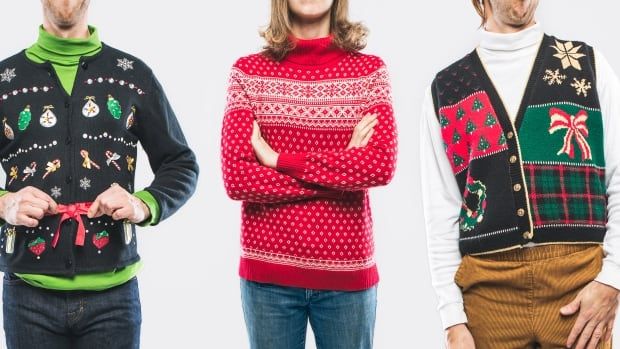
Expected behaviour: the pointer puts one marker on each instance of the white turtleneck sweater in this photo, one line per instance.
(508, 59)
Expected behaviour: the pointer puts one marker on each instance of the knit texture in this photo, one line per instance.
(308, 222)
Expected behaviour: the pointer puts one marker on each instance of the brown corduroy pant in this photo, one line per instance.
(513, 299)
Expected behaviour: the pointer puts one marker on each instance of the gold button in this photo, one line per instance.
(513, 159)
(517, 187)
(526, 235)
(521, 212)
(510, 134)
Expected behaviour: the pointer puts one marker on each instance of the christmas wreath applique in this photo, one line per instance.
(470, 218)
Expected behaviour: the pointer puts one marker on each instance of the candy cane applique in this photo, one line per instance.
(29, 171)
(52, 166)
(111, 159)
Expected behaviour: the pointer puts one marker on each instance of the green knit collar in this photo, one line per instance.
(65, 51)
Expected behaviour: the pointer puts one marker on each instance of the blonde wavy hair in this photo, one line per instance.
(350, 36)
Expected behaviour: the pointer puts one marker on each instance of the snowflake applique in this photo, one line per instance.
(554, 77)
(85, 183)
(56, 192)
(124, 64)
(7, 75)
(581, 86)
(568, 54)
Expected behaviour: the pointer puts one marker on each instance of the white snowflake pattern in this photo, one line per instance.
(581, 86)
(124, 64)
(85, 183)
(56, 192)
(8, 74)
(554, 77)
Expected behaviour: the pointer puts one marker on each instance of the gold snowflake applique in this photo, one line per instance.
(568, 54)
(581, 86)
(554, 77)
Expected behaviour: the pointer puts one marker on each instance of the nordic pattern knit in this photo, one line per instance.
(308, 222)
(540, 179)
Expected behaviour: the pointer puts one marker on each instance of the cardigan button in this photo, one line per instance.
(521, 212)
(510, 134)
(516, 187)
(513, 159)
(68, 263)
(84, 65)
(528, 235)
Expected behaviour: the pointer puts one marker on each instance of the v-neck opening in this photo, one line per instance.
(528, 89)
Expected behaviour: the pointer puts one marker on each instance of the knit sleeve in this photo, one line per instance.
(172, 161)
(245, 178)
(357, 168)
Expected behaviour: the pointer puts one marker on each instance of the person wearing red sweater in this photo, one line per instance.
(308, 129)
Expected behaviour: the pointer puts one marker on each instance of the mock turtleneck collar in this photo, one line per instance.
(63, 51)
(512, 41)
(314, 51)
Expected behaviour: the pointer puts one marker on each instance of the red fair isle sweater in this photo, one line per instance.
(307, 223)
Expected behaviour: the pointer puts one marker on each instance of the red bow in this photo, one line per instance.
(73, 211)
(576, 127)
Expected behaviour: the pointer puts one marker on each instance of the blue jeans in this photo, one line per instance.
(40, 318)
(276, 317)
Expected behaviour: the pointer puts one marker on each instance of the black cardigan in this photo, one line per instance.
(116, 103)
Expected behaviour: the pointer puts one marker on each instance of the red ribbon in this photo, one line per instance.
(73, 211)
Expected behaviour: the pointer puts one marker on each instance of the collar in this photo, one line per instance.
(511, 41)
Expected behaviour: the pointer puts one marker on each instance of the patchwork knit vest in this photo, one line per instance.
(540, 179)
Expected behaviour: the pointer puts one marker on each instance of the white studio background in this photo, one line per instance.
(189, 284)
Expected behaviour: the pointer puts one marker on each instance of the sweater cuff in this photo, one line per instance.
(293, 165)
(150, 202)
(609, 275)
(452, 314)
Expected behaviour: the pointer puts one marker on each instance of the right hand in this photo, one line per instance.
(363, 131)
(459, 337)
(26, 207)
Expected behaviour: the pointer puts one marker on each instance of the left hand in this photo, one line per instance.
(597, 304)
(264, 153)
(119, 204)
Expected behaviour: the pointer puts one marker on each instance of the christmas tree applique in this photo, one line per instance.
(490, 121)
(470, 127)
(456, 137)
(460, 113)
(114, 107)
(477, 106)
(457, 160)
(502, 139)
(483, 144)
(101, 239)
(37, 247)
(24, 118)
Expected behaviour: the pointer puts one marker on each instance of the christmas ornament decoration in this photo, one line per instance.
(13, 174)
(128, 231)
(101, 239)
(56, 192)
(114, 107)
(111, 159)
(130, 163)
(124, 64)
(37, 247)
(85, 183)
(88, 163)
(581, 86)
(470, 218)
(130, 118)
(29, 171)
(7, 75)
(8, 131)
(10, 240)
(24, 118)
(48, 118)
(568, 54)
(554, 77)
(90, 109)
(52, 166)
(576, 128)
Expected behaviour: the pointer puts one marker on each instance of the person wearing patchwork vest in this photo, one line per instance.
(521, 184)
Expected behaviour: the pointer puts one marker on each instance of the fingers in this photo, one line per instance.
(256, 135)
(51, 205)
(609, 329)
(27, 221)
(591, 335)
(122, 213)
(572, 307)
(367, 138)
(578, 328)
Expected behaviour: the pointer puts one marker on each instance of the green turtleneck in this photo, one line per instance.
(64, 55)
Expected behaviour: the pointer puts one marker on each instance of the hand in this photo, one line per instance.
(265, 154)
(363, 131)
(26, 207)
(597, 304)
(459, 337)
(119, 204)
